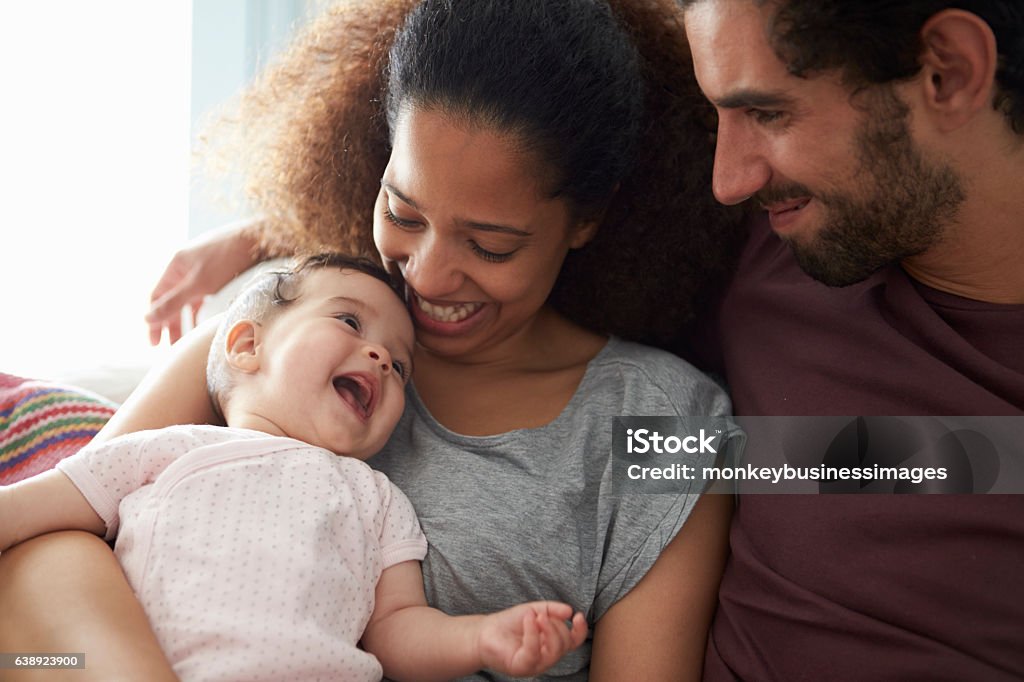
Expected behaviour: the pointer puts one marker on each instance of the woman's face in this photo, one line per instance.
(463, 216)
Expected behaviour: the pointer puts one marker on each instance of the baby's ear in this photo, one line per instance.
(242, 346)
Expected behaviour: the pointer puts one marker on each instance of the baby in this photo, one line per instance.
(257, 552)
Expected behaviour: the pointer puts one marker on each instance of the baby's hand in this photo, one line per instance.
(528, 639)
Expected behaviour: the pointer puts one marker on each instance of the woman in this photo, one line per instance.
(529, 163)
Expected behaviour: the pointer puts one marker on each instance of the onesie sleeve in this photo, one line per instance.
(107, 472)
(401, 538)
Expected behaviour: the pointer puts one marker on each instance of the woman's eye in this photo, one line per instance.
(390, 216)
(491, 256)
(351, 320)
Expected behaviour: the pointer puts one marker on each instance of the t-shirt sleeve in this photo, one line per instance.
(638, 526)
(401, 538)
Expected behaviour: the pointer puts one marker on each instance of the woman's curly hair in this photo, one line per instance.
(311, 137)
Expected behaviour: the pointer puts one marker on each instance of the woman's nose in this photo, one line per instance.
(432, 269)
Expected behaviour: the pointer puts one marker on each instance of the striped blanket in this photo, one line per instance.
(41, 423)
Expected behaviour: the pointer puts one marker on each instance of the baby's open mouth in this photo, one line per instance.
(358, 391)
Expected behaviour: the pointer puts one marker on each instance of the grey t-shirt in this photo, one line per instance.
(530, 514)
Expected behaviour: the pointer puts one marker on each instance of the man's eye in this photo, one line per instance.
(763, 116)
(351, 320)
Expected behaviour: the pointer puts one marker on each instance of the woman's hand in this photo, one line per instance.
(199, 269)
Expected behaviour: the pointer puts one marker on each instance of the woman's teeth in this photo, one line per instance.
(447, 313)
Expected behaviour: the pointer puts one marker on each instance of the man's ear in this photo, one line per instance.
(958, 66)
(242, 346)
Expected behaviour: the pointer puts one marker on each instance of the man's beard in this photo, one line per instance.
(904, 209)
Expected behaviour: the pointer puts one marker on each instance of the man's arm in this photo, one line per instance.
(43, 504)
(412, 640)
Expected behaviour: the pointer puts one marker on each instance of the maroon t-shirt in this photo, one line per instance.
(868, 587)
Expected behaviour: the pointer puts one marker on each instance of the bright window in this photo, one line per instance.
(95, 157)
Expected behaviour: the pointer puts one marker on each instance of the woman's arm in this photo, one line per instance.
(173, 392)
(658, 631)
(64, 593)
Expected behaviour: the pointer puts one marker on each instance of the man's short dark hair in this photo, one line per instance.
(874, 42)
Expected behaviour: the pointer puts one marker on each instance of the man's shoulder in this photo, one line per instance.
(791, 345)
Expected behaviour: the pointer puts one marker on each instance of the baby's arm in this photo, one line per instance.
(42, 504)
(414, 641)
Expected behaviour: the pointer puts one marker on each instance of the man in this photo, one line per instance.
(884, 143)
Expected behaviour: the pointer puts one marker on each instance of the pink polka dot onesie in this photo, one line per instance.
(255, 557)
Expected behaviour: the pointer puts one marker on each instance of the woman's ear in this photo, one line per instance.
(958, 66)
(242, 346)
(583, 232)
(588, 223)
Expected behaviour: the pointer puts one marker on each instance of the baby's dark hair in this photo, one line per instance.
(266, 296)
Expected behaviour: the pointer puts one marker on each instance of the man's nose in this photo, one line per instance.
(741, 168)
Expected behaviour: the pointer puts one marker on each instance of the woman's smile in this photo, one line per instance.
(441, 312)
(445, 319)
